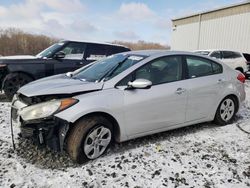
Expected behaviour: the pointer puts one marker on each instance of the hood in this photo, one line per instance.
(59, 84)
(18, 57)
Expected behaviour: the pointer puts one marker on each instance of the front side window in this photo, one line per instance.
(74, 50)
(202, 52)
(162, 70)
(48, 52)
(198, 67)
(216, 54)
(159, 71)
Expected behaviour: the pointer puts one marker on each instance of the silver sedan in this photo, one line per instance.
(126, 96)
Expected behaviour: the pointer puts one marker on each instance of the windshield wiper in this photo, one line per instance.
(111, 71)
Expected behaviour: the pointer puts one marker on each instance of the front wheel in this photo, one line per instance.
(89, 139)
(226, 111)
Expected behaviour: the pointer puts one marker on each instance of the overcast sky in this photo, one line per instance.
(101, 20)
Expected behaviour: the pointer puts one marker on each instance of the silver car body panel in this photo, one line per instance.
(141, 112)
(58, 85)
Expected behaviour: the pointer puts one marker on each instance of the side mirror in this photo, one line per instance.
(59, 55)
(69, 74)
(140, 84)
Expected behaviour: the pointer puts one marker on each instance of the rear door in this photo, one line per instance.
(161, 106)
(205, 83)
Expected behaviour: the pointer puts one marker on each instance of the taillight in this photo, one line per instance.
(241, 77)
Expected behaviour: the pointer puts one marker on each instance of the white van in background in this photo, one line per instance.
(234, 59)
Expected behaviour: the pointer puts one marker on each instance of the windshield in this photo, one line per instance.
(107, 68)
(202, 52)
(50, 50)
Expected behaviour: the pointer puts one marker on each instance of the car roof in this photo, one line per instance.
(211, 50)
(158, 53)
(94, 42)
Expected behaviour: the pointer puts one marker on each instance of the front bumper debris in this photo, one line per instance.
(49, 132)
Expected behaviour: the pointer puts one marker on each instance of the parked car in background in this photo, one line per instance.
(234, 59)
(16, 71)
(126, 96)
(247, 57)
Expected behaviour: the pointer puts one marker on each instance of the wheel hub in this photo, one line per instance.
(227, 109)
(96, 142)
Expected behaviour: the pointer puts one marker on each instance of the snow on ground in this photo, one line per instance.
(202, 155)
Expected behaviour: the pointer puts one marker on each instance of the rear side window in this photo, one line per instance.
(230, 55)
(198, 67)
(96, 51)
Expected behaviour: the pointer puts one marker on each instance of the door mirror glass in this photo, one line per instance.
(140, 84)
(59, 55)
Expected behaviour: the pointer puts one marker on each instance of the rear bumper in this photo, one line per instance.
(49, 132)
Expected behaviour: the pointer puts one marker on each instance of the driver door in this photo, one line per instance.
(161, 106)
(74, 53)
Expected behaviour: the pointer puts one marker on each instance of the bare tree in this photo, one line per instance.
(142, 45)
(16, 42)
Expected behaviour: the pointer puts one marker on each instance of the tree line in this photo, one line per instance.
(17, 42)
(142, 45)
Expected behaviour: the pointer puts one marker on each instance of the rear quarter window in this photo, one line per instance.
(198, 67)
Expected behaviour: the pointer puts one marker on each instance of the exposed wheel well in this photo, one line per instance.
(116, 128)
(240, 69)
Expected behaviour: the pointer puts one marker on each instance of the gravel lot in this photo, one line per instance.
(202, 155)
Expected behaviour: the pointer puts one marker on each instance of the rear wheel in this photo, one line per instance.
(226, 111)
(13, 82)
(89, 139)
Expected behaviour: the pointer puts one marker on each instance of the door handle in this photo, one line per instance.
(81, 63)
(180, 91)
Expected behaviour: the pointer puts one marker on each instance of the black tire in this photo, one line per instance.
(220, 113)
(76, 140)
(13, 82)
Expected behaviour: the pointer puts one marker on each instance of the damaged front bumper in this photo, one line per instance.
(49, 131)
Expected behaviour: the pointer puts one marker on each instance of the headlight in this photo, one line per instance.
(46, 109)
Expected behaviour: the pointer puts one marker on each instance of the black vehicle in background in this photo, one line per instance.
(65, 56)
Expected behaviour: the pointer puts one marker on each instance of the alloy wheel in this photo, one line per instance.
(96, 142)
(227, 109)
